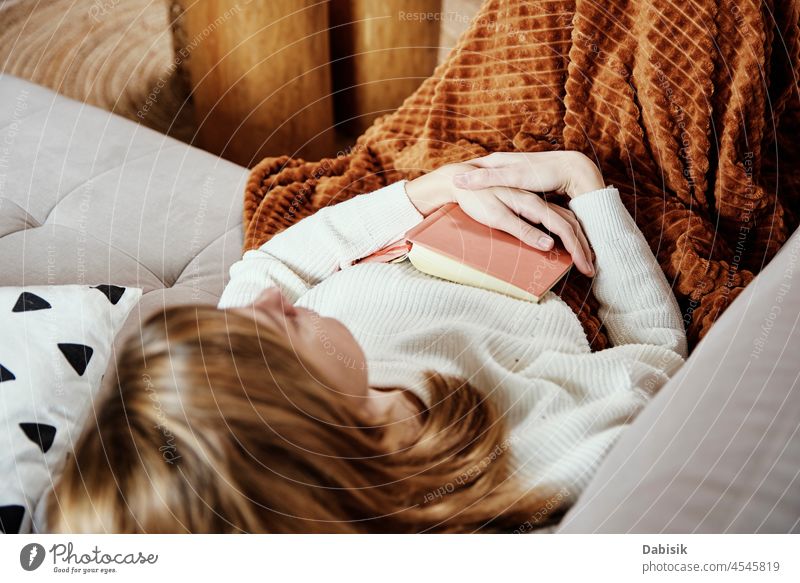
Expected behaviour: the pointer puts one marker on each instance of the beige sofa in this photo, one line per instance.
(88, 197)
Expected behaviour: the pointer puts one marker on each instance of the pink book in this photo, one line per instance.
(451, 245)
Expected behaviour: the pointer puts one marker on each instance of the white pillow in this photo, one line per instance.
(55, 343)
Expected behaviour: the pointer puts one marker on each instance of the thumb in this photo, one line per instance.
(486, 178)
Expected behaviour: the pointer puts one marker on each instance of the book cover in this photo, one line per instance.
(450, 244)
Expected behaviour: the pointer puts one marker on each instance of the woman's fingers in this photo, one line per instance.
(560, 226)
(570, 216)
(491, 211)
(495, 169)
(537, 171)
(524, 231)
(495, 159)
(536, 210)
(507, 208)
(489, 177)
(565, 231)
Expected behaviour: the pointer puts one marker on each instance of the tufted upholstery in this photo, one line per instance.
(89, 197)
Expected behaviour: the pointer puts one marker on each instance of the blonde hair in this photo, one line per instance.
(215, 426)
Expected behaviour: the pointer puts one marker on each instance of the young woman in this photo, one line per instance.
(328, 396)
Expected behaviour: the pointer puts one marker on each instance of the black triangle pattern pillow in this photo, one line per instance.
(54, 350)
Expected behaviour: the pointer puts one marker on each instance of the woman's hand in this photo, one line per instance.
(565, 172)
(509, 209)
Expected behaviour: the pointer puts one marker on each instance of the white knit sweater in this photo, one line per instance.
(565, 405)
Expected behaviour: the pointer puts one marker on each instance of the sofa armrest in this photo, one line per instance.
(718, 449)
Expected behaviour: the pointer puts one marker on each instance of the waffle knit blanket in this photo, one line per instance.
(689, 108)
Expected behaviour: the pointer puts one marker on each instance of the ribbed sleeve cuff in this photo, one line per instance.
(238, 294)
(602, 214)
(388, 213)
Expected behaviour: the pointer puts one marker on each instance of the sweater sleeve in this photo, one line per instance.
(317, 246)
(637, 305)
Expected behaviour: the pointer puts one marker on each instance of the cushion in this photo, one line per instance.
(54, 350)
(87, 196)
(718, 449)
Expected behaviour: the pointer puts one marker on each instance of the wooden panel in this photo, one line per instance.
(382, 52)
(456, 18)
(260, 76)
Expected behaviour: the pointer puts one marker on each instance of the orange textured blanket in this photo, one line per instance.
(689, 108)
